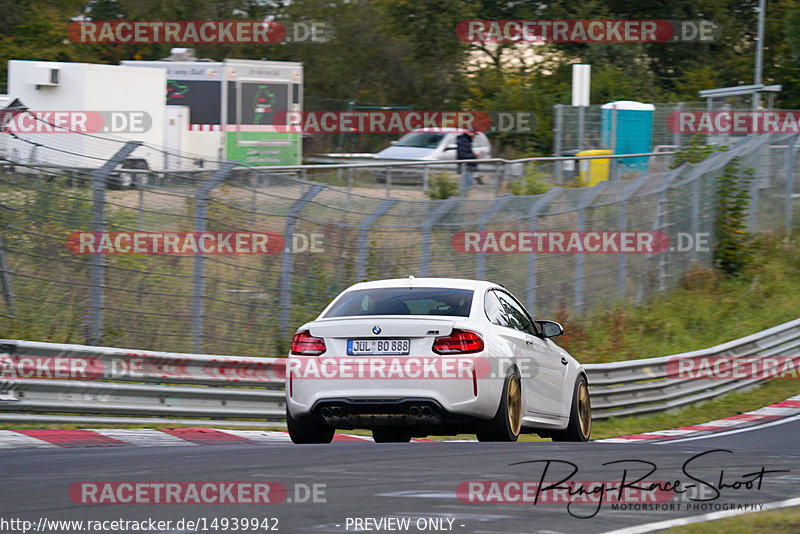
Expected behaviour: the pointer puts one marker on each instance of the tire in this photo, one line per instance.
(303, 432)
(390, 435)
(507, 422)
(580, 417)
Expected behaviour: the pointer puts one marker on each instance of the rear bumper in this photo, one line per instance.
(370, 413)
(364, 404)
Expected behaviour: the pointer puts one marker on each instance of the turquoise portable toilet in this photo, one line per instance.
(634, 132)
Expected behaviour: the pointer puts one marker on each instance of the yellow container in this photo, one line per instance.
(593, 171)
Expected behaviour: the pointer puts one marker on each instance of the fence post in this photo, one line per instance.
(533, 214)
(676, 136)
(253, 204)
(501, 176)
(285, 296)
(755, 185)
(557, 147)
(363, 229)
(480, 267)
(661, 222)
(198, 276)
(790, 185)
(622, 270)
(97, 277)
(5, 280)
(350, 180)
(695, 222)
(141, 208)
(614, 167)
(425, 254)
(580, 259)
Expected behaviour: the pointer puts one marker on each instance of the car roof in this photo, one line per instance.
(411, 281)
(441, 130)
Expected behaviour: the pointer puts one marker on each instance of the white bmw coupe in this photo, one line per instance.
(433, 356)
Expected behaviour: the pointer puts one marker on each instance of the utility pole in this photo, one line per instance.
(757, 79)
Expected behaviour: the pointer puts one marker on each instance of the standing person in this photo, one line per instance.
(464, 151)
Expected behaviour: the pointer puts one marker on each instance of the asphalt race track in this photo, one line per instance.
(416, 481)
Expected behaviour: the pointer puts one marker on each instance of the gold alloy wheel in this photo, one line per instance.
(584, 409)
(514, 405)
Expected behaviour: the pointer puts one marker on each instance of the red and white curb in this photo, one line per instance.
(787, 408)
(36, 438)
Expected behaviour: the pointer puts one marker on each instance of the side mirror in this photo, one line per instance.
(451, 146)
(550, 328)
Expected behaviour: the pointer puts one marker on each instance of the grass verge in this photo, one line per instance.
(785, 521)
(705, 309)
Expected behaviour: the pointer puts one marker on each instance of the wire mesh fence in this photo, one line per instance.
(331, 231)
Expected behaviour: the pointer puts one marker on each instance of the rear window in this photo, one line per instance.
(403, 301)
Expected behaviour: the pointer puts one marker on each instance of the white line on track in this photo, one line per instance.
(669, 523)
(729, 432)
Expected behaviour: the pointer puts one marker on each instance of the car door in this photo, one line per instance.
(447, 148)
(544, 376)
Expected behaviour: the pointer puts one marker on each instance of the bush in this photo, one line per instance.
(696, 151)
(533, 183)
(442, 187)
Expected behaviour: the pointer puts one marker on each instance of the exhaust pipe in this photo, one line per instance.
(337, 411)
(414, 411)
(427, 411)
(325, 412)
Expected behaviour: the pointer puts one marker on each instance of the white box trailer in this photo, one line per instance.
(236, 107)
(121, 102)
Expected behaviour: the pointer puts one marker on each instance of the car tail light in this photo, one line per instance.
(304, 344)
(458, 342)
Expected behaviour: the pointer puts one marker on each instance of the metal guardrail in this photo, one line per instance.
(160, 387)
(326, 161)
(643, 386)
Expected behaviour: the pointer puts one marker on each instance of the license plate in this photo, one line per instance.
(377, 347)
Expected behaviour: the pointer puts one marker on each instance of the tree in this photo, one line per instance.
(37, 30)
